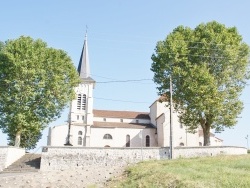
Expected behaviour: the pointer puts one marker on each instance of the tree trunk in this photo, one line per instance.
(206, 135)
(18, 139)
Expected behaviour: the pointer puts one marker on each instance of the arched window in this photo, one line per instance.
(181, 125)
(181, 144)
(80, 133)
(147, 141)
(79, 140)
(107, 136)
(127, 141)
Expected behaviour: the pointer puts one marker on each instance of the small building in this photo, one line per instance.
(88, 127)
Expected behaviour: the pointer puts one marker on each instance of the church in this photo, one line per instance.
(88, 127)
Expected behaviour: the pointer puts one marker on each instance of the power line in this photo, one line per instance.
(103, 77)
(119, 81)
(214, 57)
(197, 47)
(116, 100)
(211, 43)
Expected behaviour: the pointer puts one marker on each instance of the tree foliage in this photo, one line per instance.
(36, 84)
(209, 66)
(29, 138)
(1, 45)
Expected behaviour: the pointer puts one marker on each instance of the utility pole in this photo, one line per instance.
(171, 120)
(247, 141)
(140, 135)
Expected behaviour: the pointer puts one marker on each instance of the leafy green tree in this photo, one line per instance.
(209, 66)
(36, 84)
(29, 138)
(1, 45)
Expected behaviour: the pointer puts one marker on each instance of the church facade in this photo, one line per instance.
(88, 127)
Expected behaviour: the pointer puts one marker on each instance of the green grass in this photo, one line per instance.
(212, 172)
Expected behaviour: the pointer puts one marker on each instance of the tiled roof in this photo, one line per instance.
(120, 125)
(121, 114)
(218, 138)
(162, 98)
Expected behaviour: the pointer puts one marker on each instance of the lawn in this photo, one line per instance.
(209, 172)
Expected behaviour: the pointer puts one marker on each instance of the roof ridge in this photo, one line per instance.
(120, 111)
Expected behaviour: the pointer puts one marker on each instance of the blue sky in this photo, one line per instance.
(122, 36)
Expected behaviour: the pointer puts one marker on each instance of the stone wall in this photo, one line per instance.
(8, 155)
(58, 158)
(61, 158)
(188, 152)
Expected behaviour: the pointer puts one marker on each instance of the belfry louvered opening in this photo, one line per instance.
(81, 101)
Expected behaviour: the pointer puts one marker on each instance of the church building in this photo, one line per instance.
(88, 127)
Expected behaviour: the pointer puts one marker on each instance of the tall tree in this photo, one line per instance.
(29, 138)
(1, 45)
(36, 83)
(209, 66)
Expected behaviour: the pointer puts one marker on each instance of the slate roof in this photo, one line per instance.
(121, 114)
(83, 66)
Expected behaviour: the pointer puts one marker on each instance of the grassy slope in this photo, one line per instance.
(214, 172)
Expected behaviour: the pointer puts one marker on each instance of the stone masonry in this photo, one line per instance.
(61, 158)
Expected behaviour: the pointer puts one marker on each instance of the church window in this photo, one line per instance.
(181, 144)
(147, 141)
(121, 120)
(80, 133)
(107, 136)
(181, 125)
(128, 141)
(79, 140)
(200, 144)
(81, 101)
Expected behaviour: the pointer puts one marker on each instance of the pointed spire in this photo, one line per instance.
(83, 66)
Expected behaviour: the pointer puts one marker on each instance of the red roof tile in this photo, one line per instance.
(121, 114)
(120, 125)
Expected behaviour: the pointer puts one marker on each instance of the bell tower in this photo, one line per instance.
(81, 108)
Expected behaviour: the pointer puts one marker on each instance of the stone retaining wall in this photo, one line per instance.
(188, 152)
(60, 158)
(9, 154)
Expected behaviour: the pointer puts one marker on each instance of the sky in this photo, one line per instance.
(122, 36)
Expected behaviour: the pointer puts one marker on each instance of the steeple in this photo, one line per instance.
(83, 66)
